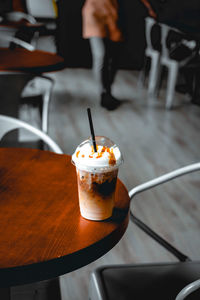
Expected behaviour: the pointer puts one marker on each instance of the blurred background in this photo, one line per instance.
(156, 127)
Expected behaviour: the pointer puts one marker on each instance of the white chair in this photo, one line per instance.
(14, 20)
(24, 79)
(164, 58)
(171, 64)
(13, 83)
(25, 20)
(8, 124)
(10, 31)
(32, 92)
(156, 281)
(154, 55)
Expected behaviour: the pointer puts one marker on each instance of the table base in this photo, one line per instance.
(5, 293)
(48, 289)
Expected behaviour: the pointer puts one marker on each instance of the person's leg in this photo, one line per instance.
(103, 71)
(100, 63)
(113, 54)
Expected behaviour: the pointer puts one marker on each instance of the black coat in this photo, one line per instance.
(5, 6)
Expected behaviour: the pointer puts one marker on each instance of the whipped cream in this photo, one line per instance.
(84, 156)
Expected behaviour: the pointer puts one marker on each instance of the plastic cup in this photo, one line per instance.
(96, 183)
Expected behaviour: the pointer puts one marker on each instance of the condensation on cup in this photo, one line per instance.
(97, 176)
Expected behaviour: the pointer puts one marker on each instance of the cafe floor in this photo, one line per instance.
(153, 141)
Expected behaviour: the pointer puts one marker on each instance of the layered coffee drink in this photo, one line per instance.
(97, 176)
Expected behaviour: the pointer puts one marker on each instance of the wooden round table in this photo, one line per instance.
(42, 234)
(37, 61)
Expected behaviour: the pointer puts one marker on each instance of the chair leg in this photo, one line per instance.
(45, 110)
(158, 238)
(11, 86)
(171, 83)
(195, 92)
(160, 80)
(142, 74)
(154, 71)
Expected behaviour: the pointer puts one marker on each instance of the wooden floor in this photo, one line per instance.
(153, 141)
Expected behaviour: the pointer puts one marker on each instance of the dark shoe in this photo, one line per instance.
(109, 102)
(182, 88)
(196, 101)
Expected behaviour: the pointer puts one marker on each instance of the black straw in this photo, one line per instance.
(92, 129)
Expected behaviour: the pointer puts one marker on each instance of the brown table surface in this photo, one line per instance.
(37, 61)
(21, 23)
(42, 234)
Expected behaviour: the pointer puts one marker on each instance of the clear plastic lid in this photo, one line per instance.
(107, 158)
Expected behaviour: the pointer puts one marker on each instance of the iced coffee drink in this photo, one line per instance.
(97, 176)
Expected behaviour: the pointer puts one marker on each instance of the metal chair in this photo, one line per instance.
(188, 289)
(8, 124)
(15, 16)
(12, 84)
(20, 23)
(164, 281)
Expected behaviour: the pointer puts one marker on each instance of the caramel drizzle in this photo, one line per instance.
(112, 159)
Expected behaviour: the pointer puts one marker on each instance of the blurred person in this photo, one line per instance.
(149, 8)
(101, 27)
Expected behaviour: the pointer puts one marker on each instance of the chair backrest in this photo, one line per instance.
(164, 34)
(11, 39)
(17, 16)
(188, 289)
(164, 178)
(150, 184)
(149, 23)
(8, 123)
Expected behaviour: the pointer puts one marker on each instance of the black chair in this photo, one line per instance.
(149, 281)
